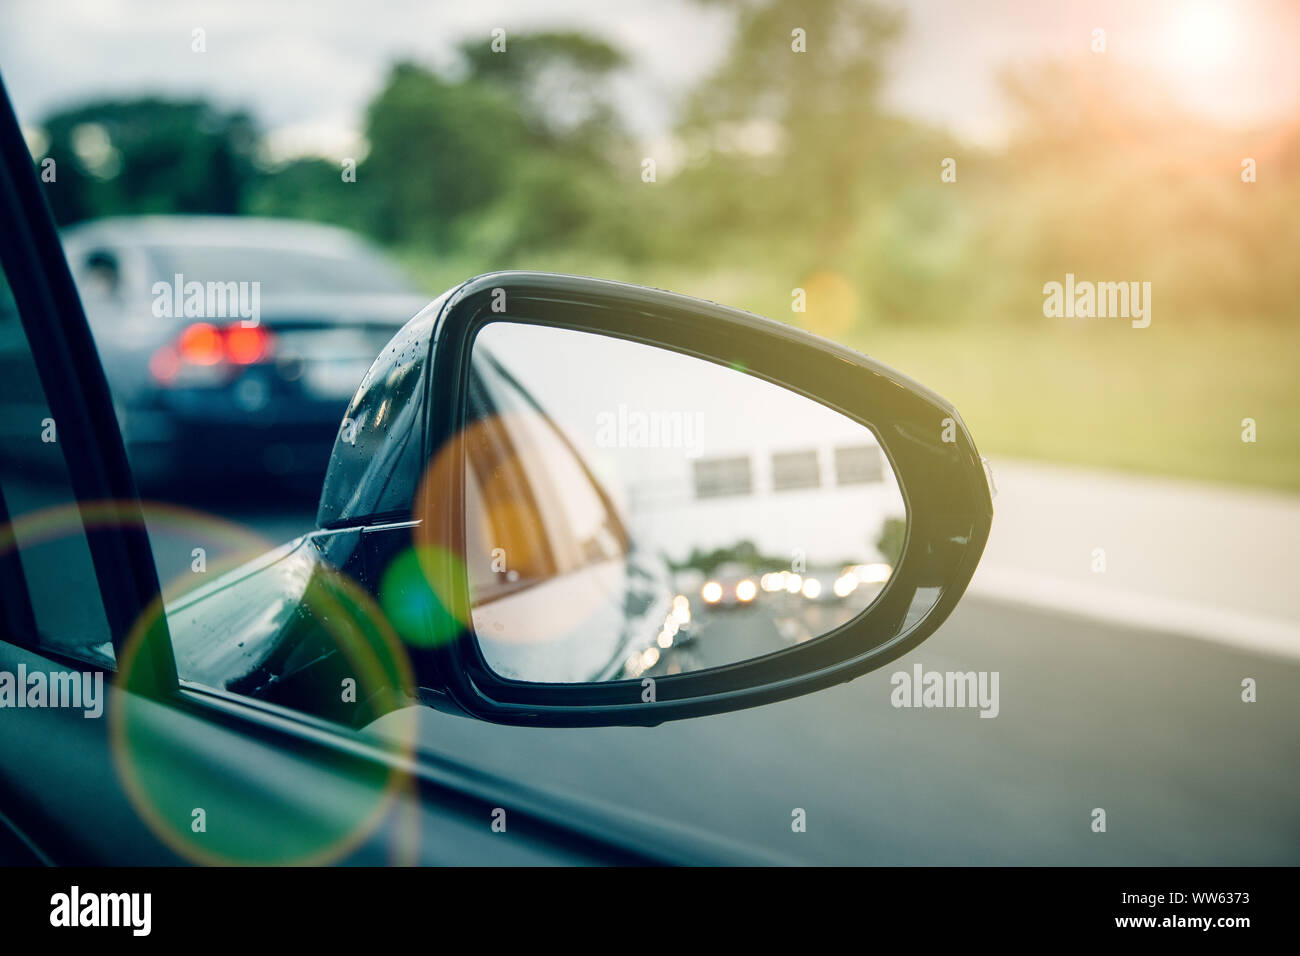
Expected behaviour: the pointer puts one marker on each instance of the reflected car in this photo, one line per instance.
(826, 585)
(232, 344)
(730, 585)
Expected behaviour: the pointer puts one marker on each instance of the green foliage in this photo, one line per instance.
(149, 156)
(744, 553)
(802, 132)
(558, 82)
(518, 154)
(438, 150)
(311, 188)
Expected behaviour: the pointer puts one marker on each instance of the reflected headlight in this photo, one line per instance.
(845, 585)
(812, 588)
(746, 590)
(873, 573)
(711, 592)
(633, 666)
(793, 582)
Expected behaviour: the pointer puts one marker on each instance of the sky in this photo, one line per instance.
(306, 68)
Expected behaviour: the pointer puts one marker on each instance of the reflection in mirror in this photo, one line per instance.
(635, 512)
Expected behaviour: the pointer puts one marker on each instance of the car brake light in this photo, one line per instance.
(200, 344)
(247, 344)
(203, 345)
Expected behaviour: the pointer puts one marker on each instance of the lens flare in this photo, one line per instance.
(186, 796)
(411, 595)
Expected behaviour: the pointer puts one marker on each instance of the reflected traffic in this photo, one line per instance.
(659, 514)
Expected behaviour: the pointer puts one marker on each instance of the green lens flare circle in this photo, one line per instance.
(280, 803)
(417, 595)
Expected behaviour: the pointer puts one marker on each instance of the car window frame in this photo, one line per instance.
(67, 364)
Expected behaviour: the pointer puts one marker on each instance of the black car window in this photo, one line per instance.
(279, 270)
(51, 595)
(98, 275)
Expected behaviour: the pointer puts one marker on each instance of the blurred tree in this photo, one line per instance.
(438, 151)
(149, 156)
(794, 113)
(560, 83)
(569, 179)
(312, 188)
(744, 552)
(518, 153)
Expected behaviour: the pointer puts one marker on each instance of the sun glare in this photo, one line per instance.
(1202, 48)
(1204, 34)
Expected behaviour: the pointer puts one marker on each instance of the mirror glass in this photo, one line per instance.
(633, 511)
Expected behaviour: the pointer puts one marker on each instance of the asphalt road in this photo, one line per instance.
(721, 638)
(1150, 728)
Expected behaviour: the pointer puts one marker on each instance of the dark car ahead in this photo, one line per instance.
(232, 345)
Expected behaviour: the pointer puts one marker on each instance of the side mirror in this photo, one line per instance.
(629, 506)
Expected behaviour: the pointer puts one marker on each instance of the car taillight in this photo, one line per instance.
(205, 352)
(246, 345)
(200, 344)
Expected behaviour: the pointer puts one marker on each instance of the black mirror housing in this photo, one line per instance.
(940, 474)
(375, 465)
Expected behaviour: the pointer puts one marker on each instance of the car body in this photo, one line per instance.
(250, 376)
